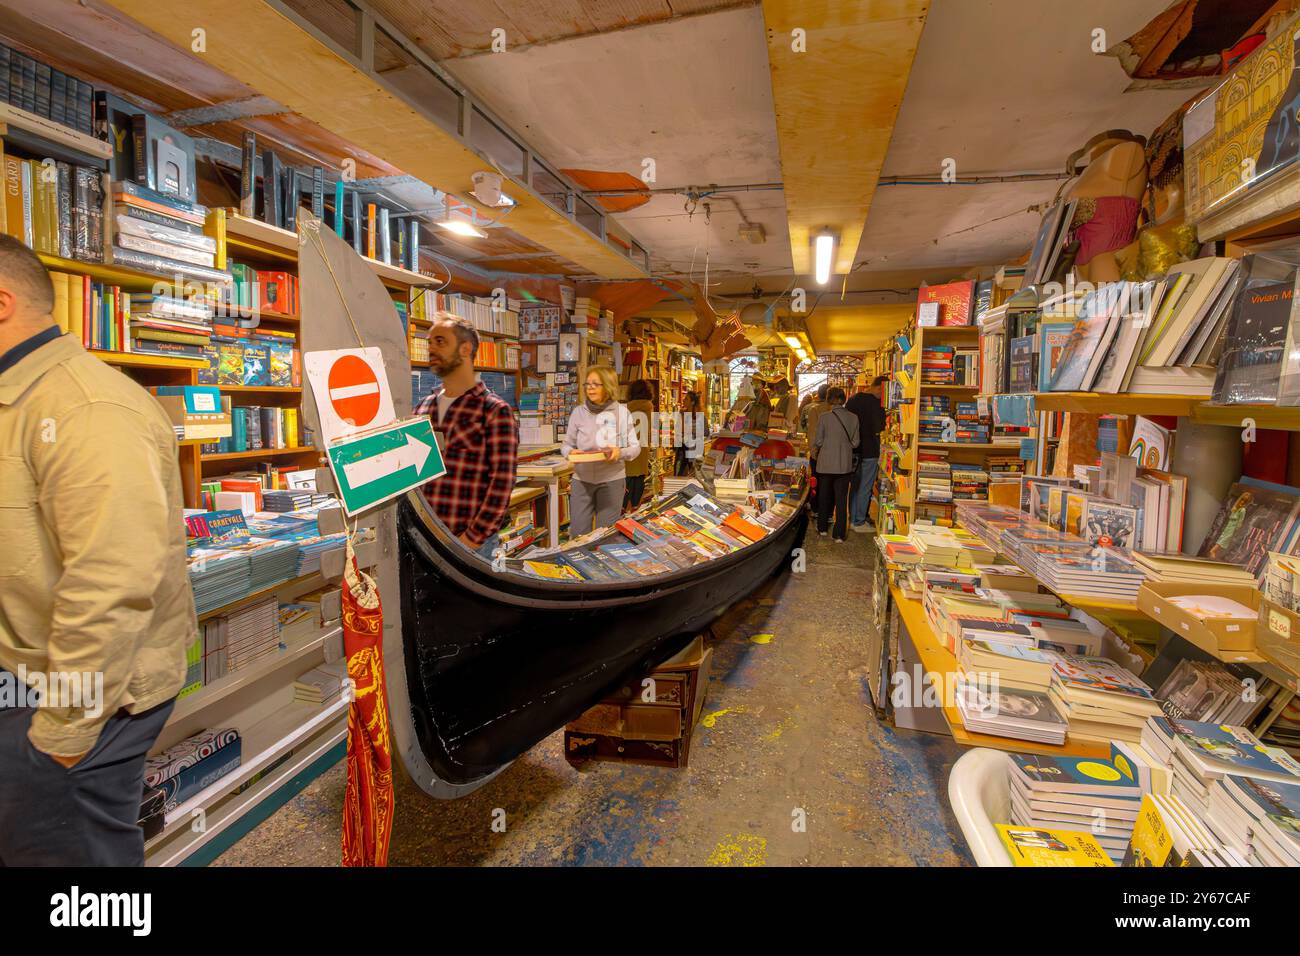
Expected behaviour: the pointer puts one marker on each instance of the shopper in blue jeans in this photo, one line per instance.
(865, 404)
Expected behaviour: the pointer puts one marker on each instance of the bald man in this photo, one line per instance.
(95, 601)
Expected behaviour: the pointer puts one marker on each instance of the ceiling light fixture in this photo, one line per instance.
(793, 341)
(823, 247)
(461, 228)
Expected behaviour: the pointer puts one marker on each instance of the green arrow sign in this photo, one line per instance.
(372, 468)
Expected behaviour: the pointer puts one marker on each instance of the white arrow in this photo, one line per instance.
(413, 453)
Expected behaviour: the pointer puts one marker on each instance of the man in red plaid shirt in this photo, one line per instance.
(477, 434)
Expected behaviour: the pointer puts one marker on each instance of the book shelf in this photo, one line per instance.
(1195, 407)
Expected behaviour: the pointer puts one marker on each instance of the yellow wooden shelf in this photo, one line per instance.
(495, 368)
(136, 360)
(940, 662)
(974, 445)
(1121, 403)
(1196, 407)
(252, 235)
(104, 272)
(949, 388)
(272, 389)
(258, 453)
(1282, 417)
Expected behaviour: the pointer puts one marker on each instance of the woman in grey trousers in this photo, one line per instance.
(601, 424)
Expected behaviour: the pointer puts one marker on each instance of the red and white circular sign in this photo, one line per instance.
(354, 390)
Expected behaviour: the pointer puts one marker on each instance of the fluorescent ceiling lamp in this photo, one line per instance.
(461, 228)
(793, 342)
(823, 246)
(803, 356)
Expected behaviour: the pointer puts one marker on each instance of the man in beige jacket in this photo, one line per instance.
(95, 603)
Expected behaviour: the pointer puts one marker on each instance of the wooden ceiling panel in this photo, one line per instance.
(836, 104)
(255, 42)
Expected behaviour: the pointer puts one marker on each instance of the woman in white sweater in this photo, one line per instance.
(599, 424)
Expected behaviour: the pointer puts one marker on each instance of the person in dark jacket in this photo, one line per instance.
(871, 422)
(835, 443)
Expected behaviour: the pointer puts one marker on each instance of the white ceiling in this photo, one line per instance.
(693, 93)
(1000, 86)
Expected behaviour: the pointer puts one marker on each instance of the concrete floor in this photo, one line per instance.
(787, 735)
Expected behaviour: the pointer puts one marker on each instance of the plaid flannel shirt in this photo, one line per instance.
(480, 442)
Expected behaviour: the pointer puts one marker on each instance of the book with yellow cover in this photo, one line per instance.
(1032, 846)
(554, 572)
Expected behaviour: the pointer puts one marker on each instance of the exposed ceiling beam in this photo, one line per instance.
(225, 112)
(835, 104)
(254, 41)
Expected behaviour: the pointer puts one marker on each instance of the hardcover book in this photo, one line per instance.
(953, 299)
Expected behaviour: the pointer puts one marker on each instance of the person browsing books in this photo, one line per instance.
(835, 446)
(95, 598)
(640, 406)
(871, 422)
(477, 434)
(599, 440)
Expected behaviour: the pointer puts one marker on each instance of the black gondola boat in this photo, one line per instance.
(483, 663)
(496, 660)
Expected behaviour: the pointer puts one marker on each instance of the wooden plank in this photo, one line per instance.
(1123, 403)
(15, 118)
(836, 105)
(254, 41)
(1235, 416)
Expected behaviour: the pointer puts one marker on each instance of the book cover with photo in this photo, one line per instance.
(1252, 520)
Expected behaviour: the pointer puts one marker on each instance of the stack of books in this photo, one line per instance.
(1189, 569)
(971, 428)
(1199, 754)
(321, 685)
(934, 419)
(934, 476)
(1082, 795)
(163, 234)
(1258, 819)
(240, 639)
(969, 483)
(1170, 833)
(1101, 700)
(936, 365)
(1010, 712)
(159, 323)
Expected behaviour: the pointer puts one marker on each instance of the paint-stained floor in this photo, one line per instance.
(788, 767)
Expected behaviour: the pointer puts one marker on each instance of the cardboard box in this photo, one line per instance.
(1278, 636)
(1214, 635)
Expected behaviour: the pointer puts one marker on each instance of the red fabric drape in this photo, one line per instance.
(368, 800)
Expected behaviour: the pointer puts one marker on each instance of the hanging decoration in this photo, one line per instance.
(368, 798)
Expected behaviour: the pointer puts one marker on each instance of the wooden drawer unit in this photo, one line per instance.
(627, 727)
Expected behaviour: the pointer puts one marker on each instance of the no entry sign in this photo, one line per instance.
(350, 388)
(354, 390)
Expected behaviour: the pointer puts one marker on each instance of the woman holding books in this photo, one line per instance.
(599, 441)
(835, 448)
(640, 406)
